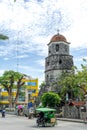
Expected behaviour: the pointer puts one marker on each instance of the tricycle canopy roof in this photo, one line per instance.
(45, 109)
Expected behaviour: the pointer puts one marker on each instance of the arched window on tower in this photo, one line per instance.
(49, 50)
(65, 48)
(60, 61)
(47, 63)
(57, 47)
(47, 78)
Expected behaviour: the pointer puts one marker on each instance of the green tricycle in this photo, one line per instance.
(46, 117)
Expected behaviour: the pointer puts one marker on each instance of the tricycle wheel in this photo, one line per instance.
(53, 125)
(43, 125)
(37, 124)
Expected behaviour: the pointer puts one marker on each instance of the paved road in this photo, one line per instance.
(12, 122)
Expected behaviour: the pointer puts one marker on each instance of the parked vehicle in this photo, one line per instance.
(46, 116)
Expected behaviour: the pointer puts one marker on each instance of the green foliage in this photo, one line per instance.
(10, 80)
(50, 99)
(75, 83)
(3, 37)
(42, 84)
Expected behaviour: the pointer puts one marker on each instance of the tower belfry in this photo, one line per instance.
(58, 59)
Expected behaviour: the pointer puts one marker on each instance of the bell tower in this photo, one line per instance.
(59, 60)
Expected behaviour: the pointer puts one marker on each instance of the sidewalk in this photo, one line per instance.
(61, 119)
(72, 120)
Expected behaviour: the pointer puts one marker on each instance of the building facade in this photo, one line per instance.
(27, 94)
(59, 59)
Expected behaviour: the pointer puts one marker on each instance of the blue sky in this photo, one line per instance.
(30, 24)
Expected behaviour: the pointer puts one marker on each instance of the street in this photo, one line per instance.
(13, 122)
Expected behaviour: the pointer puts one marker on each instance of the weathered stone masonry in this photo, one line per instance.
(58, 59)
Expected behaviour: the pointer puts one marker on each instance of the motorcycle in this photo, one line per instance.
(3, 113)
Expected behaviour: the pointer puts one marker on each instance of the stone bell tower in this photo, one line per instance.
(59, 60)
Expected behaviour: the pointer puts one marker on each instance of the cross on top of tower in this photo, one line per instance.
(58, 31)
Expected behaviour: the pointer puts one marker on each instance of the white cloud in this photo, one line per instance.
(41, 62)
(80, 58)
(35, 72)
(1, 72)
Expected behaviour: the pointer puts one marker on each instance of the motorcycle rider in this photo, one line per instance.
(3, 112)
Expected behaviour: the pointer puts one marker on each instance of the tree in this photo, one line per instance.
(42, 84)
(3, 37)
(69, 85)
(42, 88)
(50, 99)
(75, 83)
(82, 78)
(41, 91)
(10, 80)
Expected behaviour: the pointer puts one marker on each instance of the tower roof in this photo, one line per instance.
(58, 37)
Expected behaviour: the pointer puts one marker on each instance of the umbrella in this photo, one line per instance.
(20, 106)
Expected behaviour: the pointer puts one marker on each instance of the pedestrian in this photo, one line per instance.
(3, 112)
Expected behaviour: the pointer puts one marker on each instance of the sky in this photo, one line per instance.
(30, 25)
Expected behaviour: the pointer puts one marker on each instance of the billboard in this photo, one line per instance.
(31, 83)
(32, 86)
